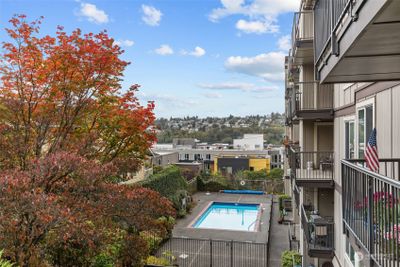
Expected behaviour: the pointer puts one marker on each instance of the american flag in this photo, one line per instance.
(371, 153)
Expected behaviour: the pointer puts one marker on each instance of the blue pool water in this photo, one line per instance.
(229, 216)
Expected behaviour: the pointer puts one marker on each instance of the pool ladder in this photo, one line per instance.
(248, 228)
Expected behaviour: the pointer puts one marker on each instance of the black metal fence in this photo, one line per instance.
(319, 231)
(371, 208)
(193, 252)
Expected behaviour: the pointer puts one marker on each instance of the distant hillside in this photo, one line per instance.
(213, 129)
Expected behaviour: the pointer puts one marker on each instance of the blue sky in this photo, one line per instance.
(192, 57)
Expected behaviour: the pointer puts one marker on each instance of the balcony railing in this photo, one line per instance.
(319, 233)
(371, 208)
(328, 15)
(312, 168)
(296, 193)
(303, 28)
(313, 96)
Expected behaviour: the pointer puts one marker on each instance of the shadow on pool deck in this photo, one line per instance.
(202, 200)
(278, 240)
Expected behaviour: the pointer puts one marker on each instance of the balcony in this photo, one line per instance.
(318, 233)
(303, 37)
(312, 168)
(371, 209)
(357, 40)
(312, 101)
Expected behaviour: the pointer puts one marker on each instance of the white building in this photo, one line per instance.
(250, 142)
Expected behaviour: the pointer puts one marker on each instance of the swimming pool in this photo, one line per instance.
(229, 216)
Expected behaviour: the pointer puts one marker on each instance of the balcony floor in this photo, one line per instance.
(314, 178)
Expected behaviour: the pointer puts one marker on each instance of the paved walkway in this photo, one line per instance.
(279, 240)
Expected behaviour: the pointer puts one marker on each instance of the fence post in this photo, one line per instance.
(231, 253)
(371, 217)
(211, 253)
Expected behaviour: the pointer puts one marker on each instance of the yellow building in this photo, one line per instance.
(232, 164)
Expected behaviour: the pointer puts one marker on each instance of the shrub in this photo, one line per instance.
(212, 185)
(252, 175)
(157, 261)
(276, 173)
(177, 198)
(290, 258)
(166, 182)
(167, 223)
(103, 260)
(170, 184)
(280, 199)
(4, 262)
(167, 259)
(153, 240)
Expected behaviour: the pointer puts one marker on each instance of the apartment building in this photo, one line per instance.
(346, 214)
(249, 142)
(229, 164)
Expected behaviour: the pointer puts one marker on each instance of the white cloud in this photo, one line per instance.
(212, 95)
(254, 8)
(262, 13)
(257, 27)
(197, 52)
(126, 43)
(268, 66)
(284, 43)
(169, 100)
(93, 14)
(151, 15)
(164, 50)
(245, 87)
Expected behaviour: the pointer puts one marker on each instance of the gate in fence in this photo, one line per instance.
(192, 252)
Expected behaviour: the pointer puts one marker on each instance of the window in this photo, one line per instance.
(349, 139)
(208, 156)
(251, 168)
(186, 156)
(365, 126)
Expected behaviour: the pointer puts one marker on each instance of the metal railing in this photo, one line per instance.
(221, 253)
(303, 27)
(313, 96)
(312, 165)
(319, 231)
(296, 193)
(371, 208)
(328, 15)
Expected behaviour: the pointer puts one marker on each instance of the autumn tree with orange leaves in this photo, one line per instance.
(66, 126)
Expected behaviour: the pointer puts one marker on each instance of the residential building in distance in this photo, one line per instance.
(184, 143)
(164, 158)
(249, 142)
(344, 214)
(228, 165)
(207, 153)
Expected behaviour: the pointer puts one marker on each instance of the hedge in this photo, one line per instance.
(212, 185)
(170, 184)
(166, 182)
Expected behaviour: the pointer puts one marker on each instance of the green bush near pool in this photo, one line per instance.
(170, 183)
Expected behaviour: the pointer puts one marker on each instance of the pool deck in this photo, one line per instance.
(183, 229)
